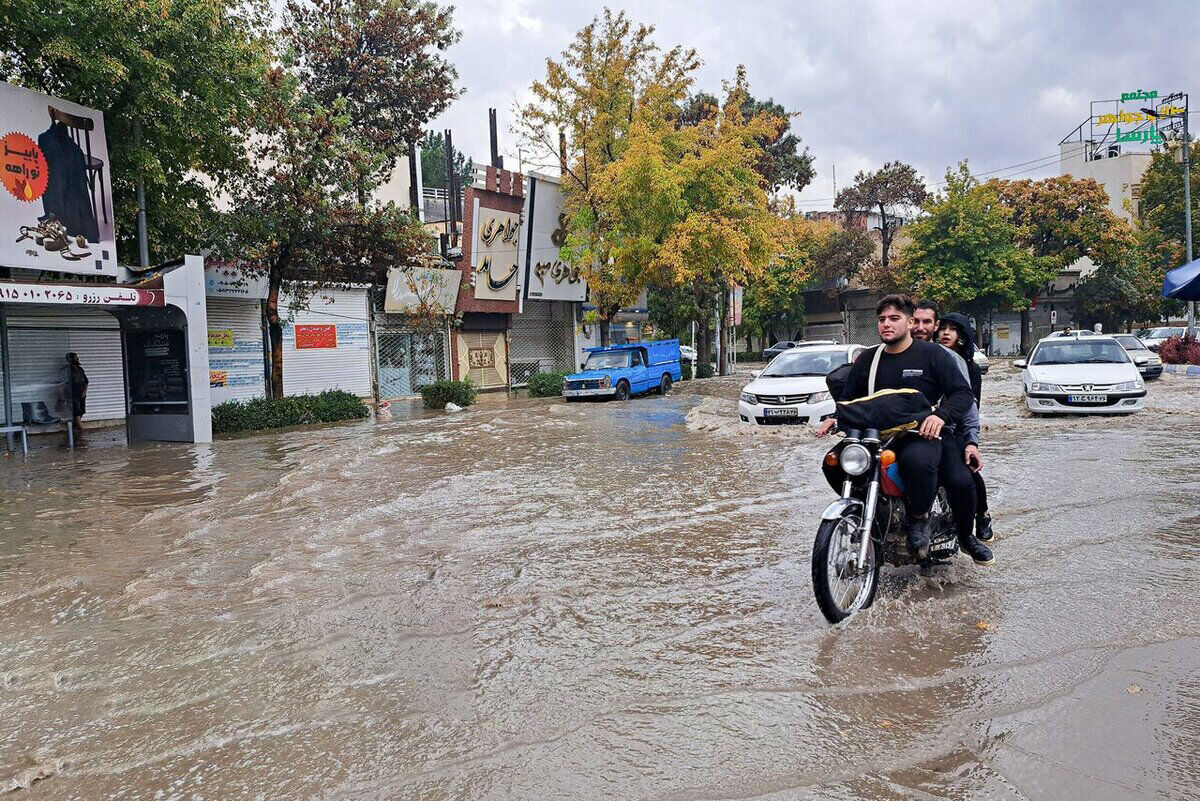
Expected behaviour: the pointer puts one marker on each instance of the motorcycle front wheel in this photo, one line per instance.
(841, 591)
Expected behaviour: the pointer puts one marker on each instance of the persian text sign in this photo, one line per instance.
(98, 295)
(234, 282)
(314, 337)
(55, 186)
(494, 253)
(544, 235)
(220, 338)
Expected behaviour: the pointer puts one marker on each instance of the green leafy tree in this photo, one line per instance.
(1161, 204)
(963, 252)
(1126, 286)
(186, 72)
(433, 163)
(893, 191)
(304, 213)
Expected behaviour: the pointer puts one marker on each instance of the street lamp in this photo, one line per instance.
(1172, 135)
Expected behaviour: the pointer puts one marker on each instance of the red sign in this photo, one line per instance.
(23, 168)
(316, 336)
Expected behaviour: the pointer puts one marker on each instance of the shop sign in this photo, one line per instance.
(427, 292)
(90, 295)
(220, 338)
(315, 337)
(55, 186)
(494, 253)
(542, 240)
(218, 378)
(234, 282)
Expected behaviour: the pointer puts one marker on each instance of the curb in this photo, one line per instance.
(1189, 370)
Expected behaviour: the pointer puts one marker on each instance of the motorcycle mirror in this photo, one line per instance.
(1020, 364)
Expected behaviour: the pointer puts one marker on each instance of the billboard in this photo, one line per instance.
(547, 277)
(494, 253)
(422, 291)
(56, 202)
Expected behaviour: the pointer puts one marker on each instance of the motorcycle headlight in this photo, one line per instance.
(749, 398)
(818, 397)
(855, 459)
(1038, 386)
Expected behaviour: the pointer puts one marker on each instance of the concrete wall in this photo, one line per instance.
(1119, 176)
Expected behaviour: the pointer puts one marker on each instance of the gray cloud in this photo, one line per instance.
(928, 83)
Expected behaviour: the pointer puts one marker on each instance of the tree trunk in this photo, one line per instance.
(1024, 331)
(605, 334)
(275, 332)
(703, 343)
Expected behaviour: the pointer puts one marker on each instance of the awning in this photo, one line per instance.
(1183, 283)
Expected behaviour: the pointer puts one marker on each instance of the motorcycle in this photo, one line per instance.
(863, 529)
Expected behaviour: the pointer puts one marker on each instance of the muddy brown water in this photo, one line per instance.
(573, 601)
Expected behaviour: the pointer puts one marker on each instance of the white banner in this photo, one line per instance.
(549, 278)
(234, 282)
(422, 290)
(71, 294)
(56, 200)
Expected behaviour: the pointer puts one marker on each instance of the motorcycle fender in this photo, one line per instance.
(840, 507)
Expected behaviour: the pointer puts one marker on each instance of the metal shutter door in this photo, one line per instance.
(543, 339)
(37, 346)
(243, 364)
(347, 366)
(100, 354)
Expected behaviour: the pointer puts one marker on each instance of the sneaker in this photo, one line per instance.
(916, 531)
(983, 528)
(979, 553)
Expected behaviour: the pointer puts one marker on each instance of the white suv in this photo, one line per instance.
(1081, 374)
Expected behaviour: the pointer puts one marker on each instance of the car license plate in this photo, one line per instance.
(784, 412)
(1087, 399)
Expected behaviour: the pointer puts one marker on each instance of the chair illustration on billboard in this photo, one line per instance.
(81, 133)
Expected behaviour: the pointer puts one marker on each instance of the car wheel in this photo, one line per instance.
(622, 393)
(664, 386)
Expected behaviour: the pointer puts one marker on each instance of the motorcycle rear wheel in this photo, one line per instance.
(839, 595)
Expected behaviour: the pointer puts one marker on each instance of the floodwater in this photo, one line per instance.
(540, 600)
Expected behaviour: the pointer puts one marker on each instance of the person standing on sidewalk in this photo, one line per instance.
(77, 381)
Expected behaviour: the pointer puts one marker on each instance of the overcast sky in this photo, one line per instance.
(928, 83)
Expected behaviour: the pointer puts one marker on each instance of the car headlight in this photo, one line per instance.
(606, 381)
(1126, 386)
(1038, 386)
(855, 459)
(749, 398)
(1154, 360)
(818, 397)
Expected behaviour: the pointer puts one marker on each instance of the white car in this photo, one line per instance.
(687, 353)
(1156, 336)
(1081, 374)
(981, 361)
(792, 387)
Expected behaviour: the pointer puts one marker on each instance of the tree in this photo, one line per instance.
(963, 252)
(303, 213)
(773, 304)
(1058, 220)
(1161, 205)
(892, 191)
(433, 163)
(609, 77)
(187, 73)
(1126, 286)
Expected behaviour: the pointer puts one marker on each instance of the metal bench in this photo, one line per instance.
(10, 430)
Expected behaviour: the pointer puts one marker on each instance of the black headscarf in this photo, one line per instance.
(966, 333)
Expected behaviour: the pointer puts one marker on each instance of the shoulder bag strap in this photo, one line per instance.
(874, 370)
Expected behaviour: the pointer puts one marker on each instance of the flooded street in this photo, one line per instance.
(541, 600)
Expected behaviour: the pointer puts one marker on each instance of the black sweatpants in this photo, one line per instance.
(981, 503)
(924, 464)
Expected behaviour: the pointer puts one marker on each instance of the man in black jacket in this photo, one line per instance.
(906, 363)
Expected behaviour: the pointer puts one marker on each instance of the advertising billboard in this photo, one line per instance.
(56, 202)
(547, 277)
(494, 253)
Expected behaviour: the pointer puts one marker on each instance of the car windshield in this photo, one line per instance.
(805, 362)
(781, 345)
(1130, 342)
(1163, 333)
(1083, 352)
(607, 361)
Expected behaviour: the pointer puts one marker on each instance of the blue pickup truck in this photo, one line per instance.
(620, 371)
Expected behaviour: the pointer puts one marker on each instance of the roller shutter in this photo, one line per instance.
(235, 349)
(37, 346)
(334, 343)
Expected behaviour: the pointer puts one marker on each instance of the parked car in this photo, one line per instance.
(792, 387)
(1156, 336)
(622, 371)
(1153, 368)
(687, 353)
(981, 361)
(776, 349)
(1082, 374)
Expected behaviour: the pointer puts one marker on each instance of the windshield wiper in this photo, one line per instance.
(790, 375)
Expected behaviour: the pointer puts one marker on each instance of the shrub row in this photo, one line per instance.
(1180, 350)
(259, 413)
(547, 384)
(439, 393)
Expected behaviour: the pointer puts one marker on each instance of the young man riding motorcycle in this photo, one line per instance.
(928, 325)
(930, 459)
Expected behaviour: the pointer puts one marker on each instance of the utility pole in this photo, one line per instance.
(1173, 135)
(143, 245)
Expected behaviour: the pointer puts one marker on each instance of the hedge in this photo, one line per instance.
(685, 367)
(705, 371)
(439, 393)
(259, 413)
(1180, 350)
(547, 384)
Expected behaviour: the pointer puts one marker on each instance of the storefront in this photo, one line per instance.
(236, 341)
(412, 330)
(491, 278)
(327, 341)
